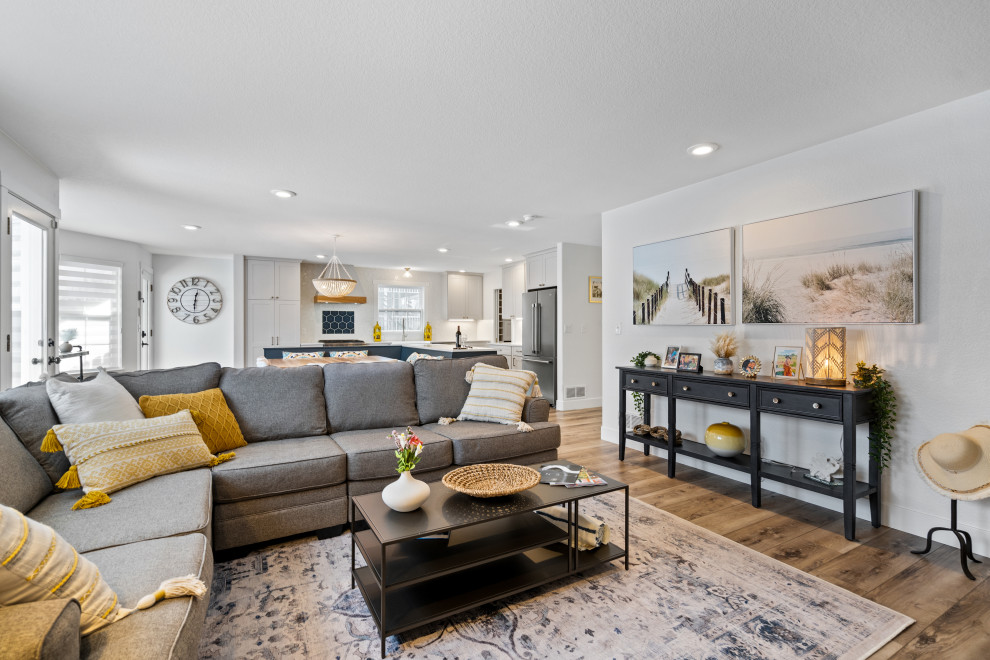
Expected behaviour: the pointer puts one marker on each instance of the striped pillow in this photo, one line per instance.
(497, 395)
(289, 355)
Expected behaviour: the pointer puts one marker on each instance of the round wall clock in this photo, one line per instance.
(194, 300)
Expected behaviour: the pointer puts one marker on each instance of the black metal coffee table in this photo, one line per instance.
(497, 547)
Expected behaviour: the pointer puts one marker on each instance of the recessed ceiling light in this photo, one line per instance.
(443, 249)
(513, 223)
(702, 149)
(192, 227)
(284, 194)
(321, 256)
(508, 258)
(462, 271)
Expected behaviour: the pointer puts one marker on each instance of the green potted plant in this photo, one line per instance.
(885, 407)
(646, 358)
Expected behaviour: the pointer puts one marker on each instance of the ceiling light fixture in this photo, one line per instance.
(334, 281)
(513, 223)
(321, 256)
(283, 194)
(462, 271)
(508, 258)
(702, 149)
(443, 250)
(407, 273)
(192, 227)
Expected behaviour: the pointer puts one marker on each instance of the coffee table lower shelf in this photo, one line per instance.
(440, 598)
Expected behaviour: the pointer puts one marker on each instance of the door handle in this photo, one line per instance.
(537, 361)
(539, 325)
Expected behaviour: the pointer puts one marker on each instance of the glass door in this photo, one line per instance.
(30, 240)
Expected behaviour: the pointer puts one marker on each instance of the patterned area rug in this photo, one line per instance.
(688, 593)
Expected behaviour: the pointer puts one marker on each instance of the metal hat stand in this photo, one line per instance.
(965, 541)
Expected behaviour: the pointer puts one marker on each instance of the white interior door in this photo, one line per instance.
(28, 292)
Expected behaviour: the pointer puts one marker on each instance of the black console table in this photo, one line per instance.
(846, 405)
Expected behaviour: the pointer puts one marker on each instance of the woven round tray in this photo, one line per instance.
(491, 479)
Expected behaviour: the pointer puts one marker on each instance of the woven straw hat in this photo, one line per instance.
(958, 464)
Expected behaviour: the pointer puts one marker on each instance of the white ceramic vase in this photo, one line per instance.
(405, 493)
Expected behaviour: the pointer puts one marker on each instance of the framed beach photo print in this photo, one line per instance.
(786, 362)
(670, 357)
(595, 289)
(689, 362)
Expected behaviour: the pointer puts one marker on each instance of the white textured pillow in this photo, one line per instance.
(99, 400)
(497, 395)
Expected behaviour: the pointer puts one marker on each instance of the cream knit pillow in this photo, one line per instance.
(497, 395)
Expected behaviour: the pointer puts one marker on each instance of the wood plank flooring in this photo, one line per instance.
(952, 612)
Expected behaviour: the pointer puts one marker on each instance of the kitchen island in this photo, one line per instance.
(395, 350)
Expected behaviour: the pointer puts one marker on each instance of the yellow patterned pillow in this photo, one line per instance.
(36, 564)
(109, 456)
(497, 395)
(218, 425)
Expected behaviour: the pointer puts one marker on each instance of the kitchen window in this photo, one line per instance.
(401, 303)
(89, 303)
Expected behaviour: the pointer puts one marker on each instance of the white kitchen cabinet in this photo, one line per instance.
(515, 358)
(541, 270)
(272, 279)
(513, 286)
(271, 323)
(464, 296)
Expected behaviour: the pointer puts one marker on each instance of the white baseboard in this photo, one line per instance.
(579, 404)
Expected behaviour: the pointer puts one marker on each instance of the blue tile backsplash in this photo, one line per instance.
(338, 323)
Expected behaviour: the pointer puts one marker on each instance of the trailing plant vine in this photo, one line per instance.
(640, 361)
(885, 407)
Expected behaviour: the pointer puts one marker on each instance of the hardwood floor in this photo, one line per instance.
(951, 611)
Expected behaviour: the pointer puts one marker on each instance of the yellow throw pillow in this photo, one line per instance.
(37, 564)
(497, 395)
(216, 422)
(109, 456)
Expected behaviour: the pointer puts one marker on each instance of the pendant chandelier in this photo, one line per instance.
(334, 281)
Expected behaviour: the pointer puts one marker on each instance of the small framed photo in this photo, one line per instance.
(786, 361)
(595, 289)
(670, 357)
(689, 362)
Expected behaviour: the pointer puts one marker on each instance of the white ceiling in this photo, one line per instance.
(405, 126)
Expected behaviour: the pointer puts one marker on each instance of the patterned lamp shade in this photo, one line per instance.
(826, 351)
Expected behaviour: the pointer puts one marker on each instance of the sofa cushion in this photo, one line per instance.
(262, 519)
(498, 395)
(441, 388)
(44, 630)
(271, 403)
(24, 481)
(483, 442)
(144, 511)
(179, 380)
(101, 399)
(216, 422)
(29, 414)
(370, 395)
(371, 455)
(264, 469)
(172, 628)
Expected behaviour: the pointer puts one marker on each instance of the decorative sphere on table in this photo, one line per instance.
(725, 439)
(650, 361)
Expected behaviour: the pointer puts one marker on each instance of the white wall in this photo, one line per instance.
(133, 258)
(579, 333)
(27, 177)
(936, 366)
(365, 315)
(177, 343)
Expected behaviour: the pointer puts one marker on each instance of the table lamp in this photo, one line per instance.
(826, 350)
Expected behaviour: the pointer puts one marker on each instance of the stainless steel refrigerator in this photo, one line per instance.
(539, 340)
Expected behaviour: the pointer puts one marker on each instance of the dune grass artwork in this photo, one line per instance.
(853, 263)
(684, 281)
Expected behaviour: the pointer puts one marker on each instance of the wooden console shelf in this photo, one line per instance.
(846, 405)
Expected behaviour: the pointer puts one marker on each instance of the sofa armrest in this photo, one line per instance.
(43, 630)
(536, 409)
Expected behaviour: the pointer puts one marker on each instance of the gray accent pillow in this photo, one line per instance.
(29, 414)
(441, 388)
(24, 482)
(370, 395)
(180, 380)
(271, 403)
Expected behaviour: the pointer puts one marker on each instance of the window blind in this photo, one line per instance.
(89, 303)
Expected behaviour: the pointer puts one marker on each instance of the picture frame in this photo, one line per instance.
(595, 289)
(689, 362)
(786, 363)
(750, 366)
(670, 357)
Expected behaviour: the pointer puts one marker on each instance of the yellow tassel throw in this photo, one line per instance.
(69, 480)
(92, 500)
(50, 444)
(221, 458)
(189, 585)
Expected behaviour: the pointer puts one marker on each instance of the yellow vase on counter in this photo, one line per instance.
(377, 332)
(428, 332)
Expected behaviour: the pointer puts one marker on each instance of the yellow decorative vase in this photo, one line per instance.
(376, 332)
(428, 332)
(725, 439)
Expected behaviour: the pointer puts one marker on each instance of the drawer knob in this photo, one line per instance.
(685, 388)
(633, 380)
(776, 400)
(731, 394)
(816, 406)
(653, 383)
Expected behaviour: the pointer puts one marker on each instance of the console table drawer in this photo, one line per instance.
(651, 384)
(735, 395)
(825, 406)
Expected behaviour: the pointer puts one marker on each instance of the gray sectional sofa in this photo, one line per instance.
(316, 436)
